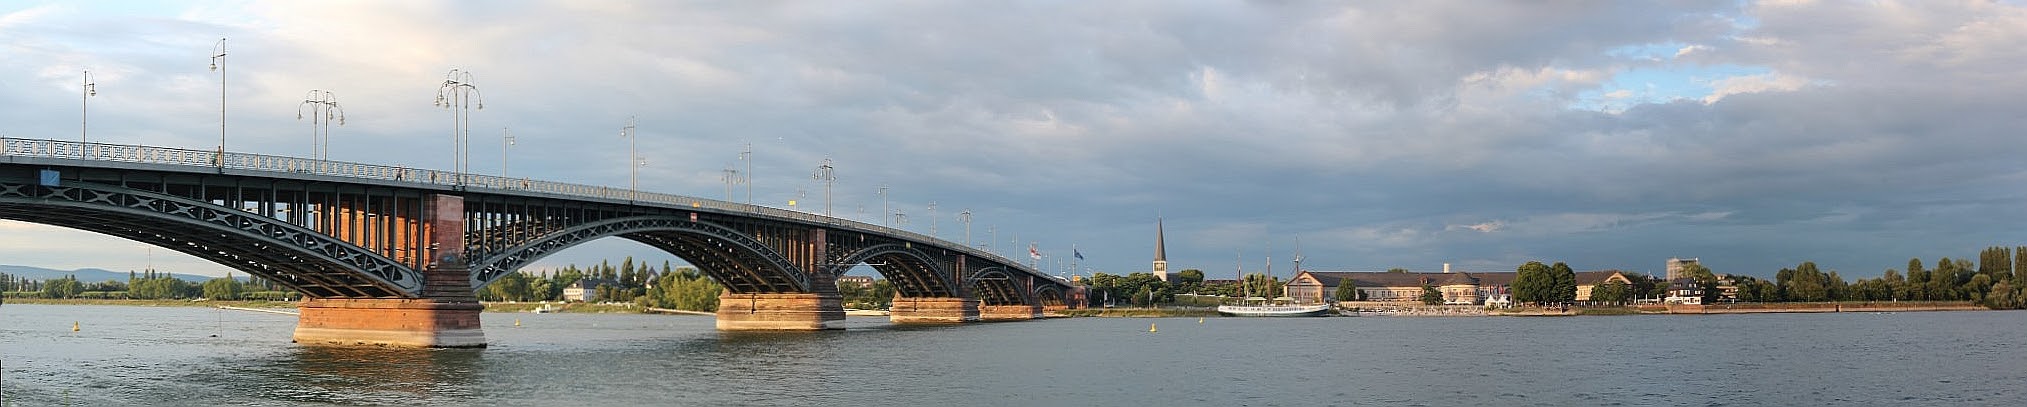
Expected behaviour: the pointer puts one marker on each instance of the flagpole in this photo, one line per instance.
(1074, 256)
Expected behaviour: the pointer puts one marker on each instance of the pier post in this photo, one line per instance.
(933, 310)
(446, 315)
(780, 312)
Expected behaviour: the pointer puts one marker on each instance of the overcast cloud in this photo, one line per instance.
(1610, 135)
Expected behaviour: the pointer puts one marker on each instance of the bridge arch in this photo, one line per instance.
(312, 263)
(1050, 295)
(996, 286)
(913, 272)
(736, 260)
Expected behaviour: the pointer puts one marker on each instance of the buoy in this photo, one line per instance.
(1150, 328)
(517, 322)
(1199, 320)
(74, 326)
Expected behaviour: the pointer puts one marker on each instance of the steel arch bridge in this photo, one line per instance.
(338, 230)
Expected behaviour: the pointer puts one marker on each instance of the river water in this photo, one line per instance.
(199, 356)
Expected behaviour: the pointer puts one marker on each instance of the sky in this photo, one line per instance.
(1608, 135)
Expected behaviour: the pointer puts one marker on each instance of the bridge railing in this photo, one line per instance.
(297, 165)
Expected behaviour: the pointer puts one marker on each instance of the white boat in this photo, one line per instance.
(1317, 310)
(1278, 307)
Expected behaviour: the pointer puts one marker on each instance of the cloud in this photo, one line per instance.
(1383, 133)
(1771, 82)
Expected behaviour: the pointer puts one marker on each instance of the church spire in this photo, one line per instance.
(1160, 252)
(1160, 246)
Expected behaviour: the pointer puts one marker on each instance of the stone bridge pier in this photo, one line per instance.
(446, 315)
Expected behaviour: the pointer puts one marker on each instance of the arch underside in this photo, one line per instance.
(913, 273)
(739, 262)
(298, 258)
(1050, 295)
(994, 286)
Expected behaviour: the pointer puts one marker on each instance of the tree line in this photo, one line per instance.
(1998, 280)
(148, 285)
(683, 288)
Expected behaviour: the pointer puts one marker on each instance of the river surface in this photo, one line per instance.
(198, 356)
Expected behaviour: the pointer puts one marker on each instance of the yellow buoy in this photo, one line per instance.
(1150, 328)
(517, 322)
(1199, 320)
(74, 326)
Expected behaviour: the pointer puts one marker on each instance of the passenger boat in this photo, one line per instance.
(1266, 310)
(1278, 307)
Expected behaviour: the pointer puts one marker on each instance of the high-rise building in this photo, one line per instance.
(1160, 252)
(1675, 266)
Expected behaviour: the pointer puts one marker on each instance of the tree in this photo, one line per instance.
(1612, 292)
(1565, 286)
(223, 288)
(690, 291)
(1531, 283)
(1190, 276)
(1347, 290)
(1429, 294)
(66, 287)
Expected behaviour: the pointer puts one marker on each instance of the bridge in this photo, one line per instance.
(388, 255)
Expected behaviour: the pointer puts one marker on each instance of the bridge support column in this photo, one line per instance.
(1016, 312)
(933, 310)
(446, 315)
(780, 312)
(443, 319)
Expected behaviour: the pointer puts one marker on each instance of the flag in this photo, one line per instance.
(1074, 253)
(1034, 253)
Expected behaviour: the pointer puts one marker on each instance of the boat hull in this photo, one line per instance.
(1274, 311)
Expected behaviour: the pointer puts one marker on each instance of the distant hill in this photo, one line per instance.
(89, 275)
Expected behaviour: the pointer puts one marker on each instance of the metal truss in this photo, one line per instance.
(316, 264)
(737, 259)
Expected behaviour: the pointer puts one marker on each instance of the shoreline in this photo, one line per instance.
(1367, 309)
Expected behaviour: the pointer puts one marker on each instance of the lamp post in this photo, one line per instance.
(747, 156)
(632, 158)
(84, 112)
(459, 94)
(323, 107)
(826, 173)
(966, 218)
(506, 140)
(932, 219)
(900, 219)
(885, 207)
(731, 177)
(218, 64)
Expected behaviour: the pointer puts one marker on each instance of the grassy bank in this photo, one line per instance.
(1140, 312)
(155, 303)
(572, 307)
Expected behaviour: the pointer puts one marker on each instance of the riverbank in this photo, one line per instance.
(510, 307)
(1139, 312)
(156, 303)
(1814, 307)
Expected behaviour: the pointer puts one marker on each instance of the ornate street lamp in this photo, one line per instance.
(966, 218)
(323, 108)
(459, 95)
(826, 173)
(633, 160)
(218, 64)
(84, 113)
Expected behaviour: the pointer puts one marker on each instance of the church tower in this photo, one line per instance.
(1160, 252)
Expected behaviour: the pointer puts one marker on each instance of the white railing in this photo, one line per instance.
(303, 166)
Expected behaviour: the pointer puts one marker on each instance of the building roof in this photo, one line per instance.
(1595, 277)
(1415, 279)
